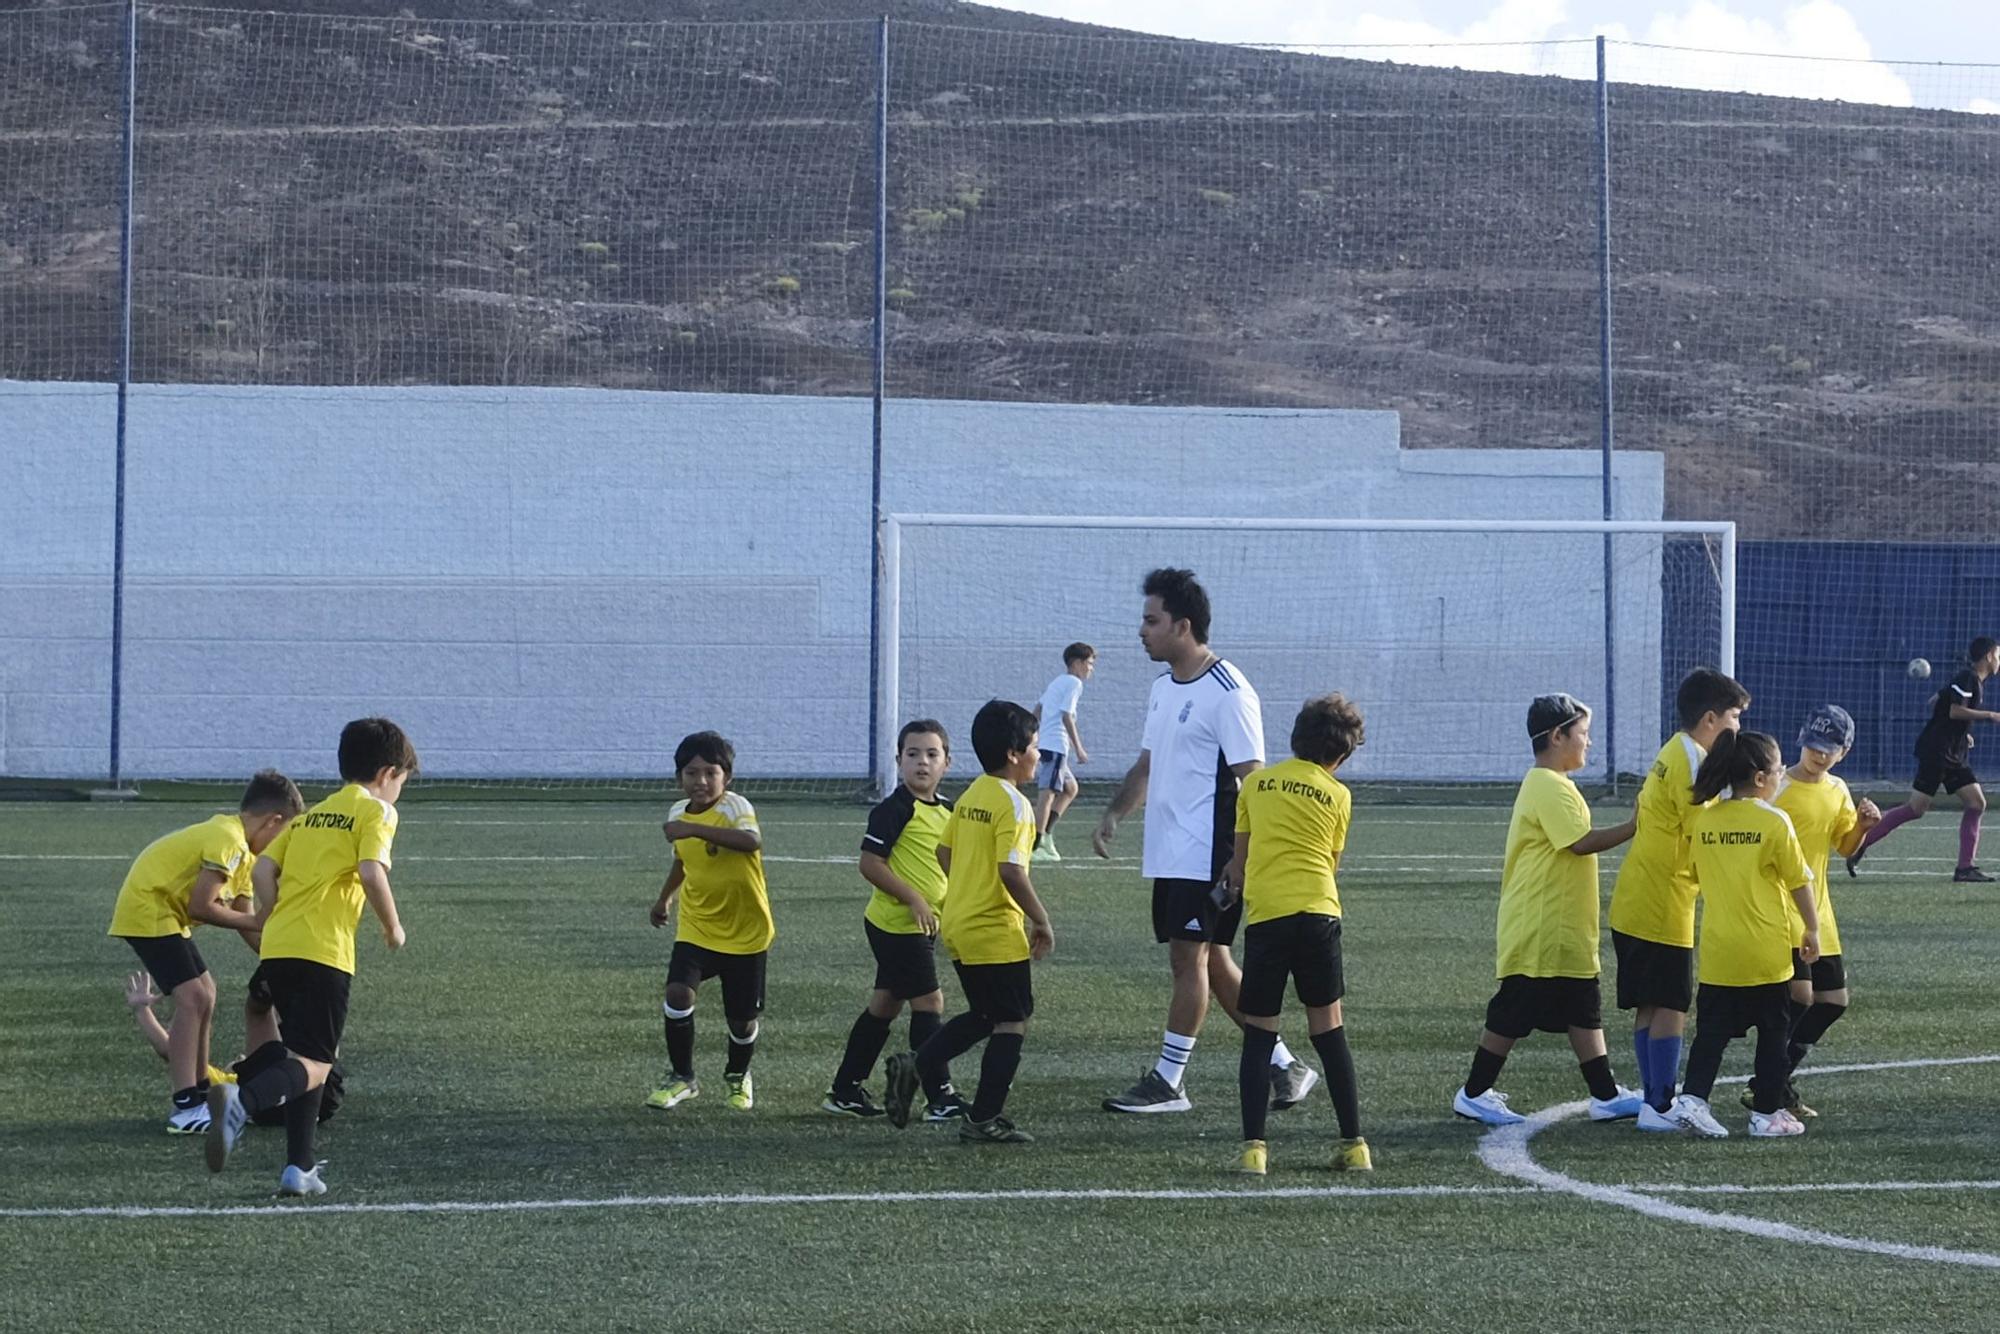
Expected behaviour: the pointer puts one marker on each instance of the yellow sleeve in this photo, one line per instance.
(1343, 812)
(1565, 816)
(740, 813)
(1788, 860)
(220, 852)
(1243, 806)
(1846, 818)
(281, 845)
(375, 832)
(1007, 834)
(948, 839)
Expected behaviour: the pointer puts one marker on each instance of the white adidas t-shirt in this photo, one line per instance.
(1196, 730)
(1061, 697)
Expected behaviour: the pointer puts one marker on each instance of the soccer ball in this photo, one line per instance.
(1920, 669)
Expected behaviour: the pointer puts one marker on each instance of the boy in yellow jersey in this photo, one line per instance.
(899, 858)
(1827, 820)
(723, 928)
(993, 924)
(197, 874)
(312, 883)
(1291, 826)
(1749, 864)
(1652, 903)
(1547, 931)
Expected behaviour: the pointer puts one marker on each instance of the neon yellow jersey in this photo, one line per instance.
(153, 901)
(990, 827)
(725, 905)
(904, 831)
(1822, 815)
(1748, 861)
(319, 860)
(1296, 814)
(1548, 894)
(1654, 896)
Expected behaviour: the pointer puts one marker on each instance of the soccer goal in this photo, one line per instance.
(1441, 629)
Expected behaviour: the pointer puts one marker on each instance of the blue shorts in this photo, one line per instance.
(1053, 773)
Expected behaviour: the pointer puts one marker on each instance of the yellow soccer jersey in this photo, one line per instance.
(319, 860)
(1654, 897)
(1548, 894)
(1822, 814)
(153, 901)
(904, 831)
(990, 827)
(1296, 814)
(1748, 862)
(725, 906)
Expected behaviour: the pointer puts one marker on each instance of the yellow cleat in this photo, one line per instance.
(1352, 1156)
(1256, 1159)
(742, 1093)
(672, 1094)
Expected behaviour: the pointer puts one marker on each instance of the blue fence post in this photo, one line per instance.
(1604, 408)
(124, 387)
(875, 646)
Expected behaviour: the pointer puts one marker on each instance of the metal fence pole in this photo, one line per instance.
(1605, 408)
(124, 386)
(877, 650)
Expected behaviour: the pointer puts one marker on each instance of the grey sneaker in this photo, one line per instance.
(1970, 875)
(1150, 1094)
(1290, 1084)
(997, 1131)
(901, 1089)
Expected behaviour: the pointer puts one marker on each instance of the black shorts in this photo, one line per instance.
(1652, 974)
(1185, 910)
(311, 1001)
(171, 960)
(905, 962)
(1829, 973)
(742, 976)
(1000, 993)
(1934, 773)
(1525, 1005)
(1304, 947)
(1737, 1010)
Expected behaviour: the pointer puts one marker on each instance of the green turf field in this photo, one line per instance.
(503, 1055)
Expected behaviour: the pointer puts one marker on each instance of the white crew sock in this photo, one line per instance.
(1281, 1055)
(1174, 1053)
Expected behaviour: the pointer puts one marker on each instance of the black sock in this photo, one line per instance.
(1597, 1076)
(277, 1085)
(1050, 827)
(192, 1096)
(680, 1044)
(1485, 1071)
(1767, 1089)
(1338, 1063)
(1809, 1030)
(740, 1051)
(1704, 1062)
(864, 1046)
(996, 1075)
(301, 1117)
(924, 1025)
(950, 1042)
(1253, 1079)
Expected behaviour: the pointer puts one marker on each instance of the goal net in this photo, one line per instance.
(1441, 630)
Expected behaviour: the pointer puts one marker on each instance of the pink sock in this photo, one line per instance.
(1968, 837)
(1892, 818)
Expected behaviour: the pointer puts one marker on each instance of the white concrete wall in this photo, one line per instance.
(562, 582)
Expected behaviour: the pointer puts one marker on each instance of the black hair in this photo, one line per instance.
(1000, 728)
(370, 745)
(1327, 730)
(1980, 648)
(1734, 759)
(710, 746)
(1078, 652)
(1704, 691)
(1551, 717)
(1182, 597)
(919, 727)
(271, 793)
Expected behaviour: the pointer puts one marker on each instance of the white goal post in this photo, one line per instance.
(1442, 629)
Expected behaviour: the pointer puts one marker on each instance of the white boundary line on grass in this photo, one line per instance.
(1505, 1150)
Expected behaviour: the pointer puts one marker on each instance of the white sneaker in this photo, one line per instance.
(1047, 852)
(226, 1119)
(295, 1182)
(188, 1120)
(1780, 1124)
(1657, 1121)
(1489, 1108)
(1621, 1106)
(1692, 1114)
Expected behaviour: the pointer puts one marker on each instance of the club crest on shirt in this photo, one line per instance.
(1186, 709)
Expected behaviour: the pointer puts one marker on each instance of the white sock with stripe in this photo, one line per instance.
(1174, 1053)
(1281, 1055)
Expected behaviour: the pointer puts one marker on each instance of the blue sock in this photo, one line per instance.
(1643, 1055)
(1663, 1062)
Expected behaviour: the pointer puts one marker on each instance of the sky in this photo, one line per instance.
(1857, 47)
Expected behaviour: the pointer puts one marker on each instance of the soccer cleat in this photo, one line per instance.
(950, 1107)
(997, 1131)
(853, 1102)
(677, 1090)
(1693, 1115)
(294, 1181)
(900, 1088)
(189, 1120)
(742, 1093)
(1793, 1103)
(1290, 1084)
(1653, 1119)
(1353, 1156)
(1489, 1108)
(226, 1119)
(1780, 1124)
(1255, 1160)
(1624, 1105)
(1970, 875)
(1855, 861)
(1150, 1094)
(1046, 850)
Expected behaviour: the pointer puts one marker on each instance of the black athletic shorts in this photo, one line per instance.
(172, 960)
(1801, 970)
(1304, 947)
(1000, 993)
(905, 962)
(311, 1001)
(1829, 973)
(742, 976)
(1185, 910)
(1525, 1005)
(1650, 973)
(1934, 773)
(1737, 1010)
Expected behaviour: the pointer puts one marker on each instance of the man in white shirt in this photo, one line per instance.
(1055, 781)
